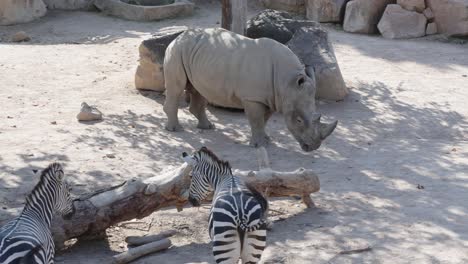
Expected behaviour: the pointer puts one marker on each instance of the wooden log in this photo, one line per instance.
(137, 252)
(234, 15)
(141, 240)
(138, 198)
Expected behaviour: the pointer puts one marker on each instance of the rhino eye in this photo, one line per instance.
(299, 120)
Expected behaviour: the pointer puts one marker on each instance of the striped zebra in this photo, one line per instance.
(237, 221)
(27, 239)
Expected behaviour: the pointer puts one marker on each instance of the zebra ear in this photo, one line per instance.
(188, 159)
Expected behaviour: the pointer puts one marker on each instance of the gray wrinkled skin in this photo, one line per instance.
(261, 76)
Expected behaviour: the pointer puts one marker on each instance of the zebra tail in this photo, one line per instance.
(246, 228)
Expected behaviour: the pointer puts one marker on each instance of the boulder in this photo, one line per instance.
(149, 74)
(20, 36)
(451, 16)
(362, 16)
(431, 28)
(312, 46)
(20, 11)
(309, 42)
(412, 5)
(326, 10)
(69, 4)
(296, 6)
(132, 10)
(429, 14)
(399, 23)
(276, 25)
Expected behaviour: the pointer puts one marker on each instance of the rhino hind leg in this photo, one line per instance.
(197, 107)
(171, 107)
(257, 114)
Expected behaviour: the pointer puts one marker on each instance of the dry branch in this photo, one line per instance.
(141, 240)
(137, 252)
(138, 198)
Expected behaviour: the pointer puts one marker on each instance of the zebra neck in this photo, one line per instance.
(40, 204)
(221, 180)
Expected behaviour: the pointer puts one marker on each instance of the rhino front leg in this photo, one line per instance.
(257, 114)
(198, 109)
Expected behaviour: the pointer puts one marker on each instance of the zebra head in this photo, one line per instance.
(63, 200)
(205, 173)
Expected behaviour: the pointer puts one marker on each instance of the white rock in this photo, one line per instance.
(20, 11)
(451, 16)
(89, 113)
(285, 5)
(412, 5)
(398, 23)
(325, 10)
(362, 16)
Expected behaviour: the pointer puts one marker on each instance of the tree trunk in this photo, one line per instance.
(234, 15)
(138, 198)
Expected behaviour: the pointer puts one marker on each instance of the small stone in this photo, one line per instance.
(20, 36)
(429, 14)
(89, 113)
(110, 156)
(464, 75)
(431, 28)
(420, 187)
(35, 171)
(53, 122)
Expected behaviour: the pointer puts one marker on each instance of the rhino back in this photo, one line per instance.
(227, 68)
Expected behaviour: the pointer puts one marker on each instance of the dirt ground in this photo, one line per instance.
(394, 174)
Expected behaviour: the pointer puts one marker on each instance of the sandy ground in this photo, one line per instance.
(403, 125)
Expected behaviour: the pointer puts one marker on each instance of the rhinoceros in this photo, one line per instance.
(261, 76)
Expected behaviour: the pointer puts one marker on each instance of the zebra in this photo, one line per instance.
(237, 221)
(27, 239)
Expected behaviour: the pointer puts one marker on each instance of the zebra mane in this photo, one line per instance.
(213, 157)
(47, 174)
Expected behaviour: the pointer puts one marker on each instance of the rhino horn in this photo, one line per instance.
(327, 129)
(310, 71)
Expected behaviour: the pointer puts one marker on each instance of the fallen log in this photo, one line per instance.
(138, 198)
(141, 240)
(137, 252)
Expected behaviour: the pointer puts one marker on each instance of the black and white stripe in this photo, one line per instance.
(27, 238)
(237, 222)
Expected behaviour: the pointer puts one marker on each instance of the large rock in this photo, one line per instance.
(69, 4)
(451, 16)
(309, 42)
(276, 25)
(20, 11)
(296, 6)
(399, 23)
(131, 10)
(149, 74)
(314, 49)
(362, 16)
(412, 5)
(326, 10)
